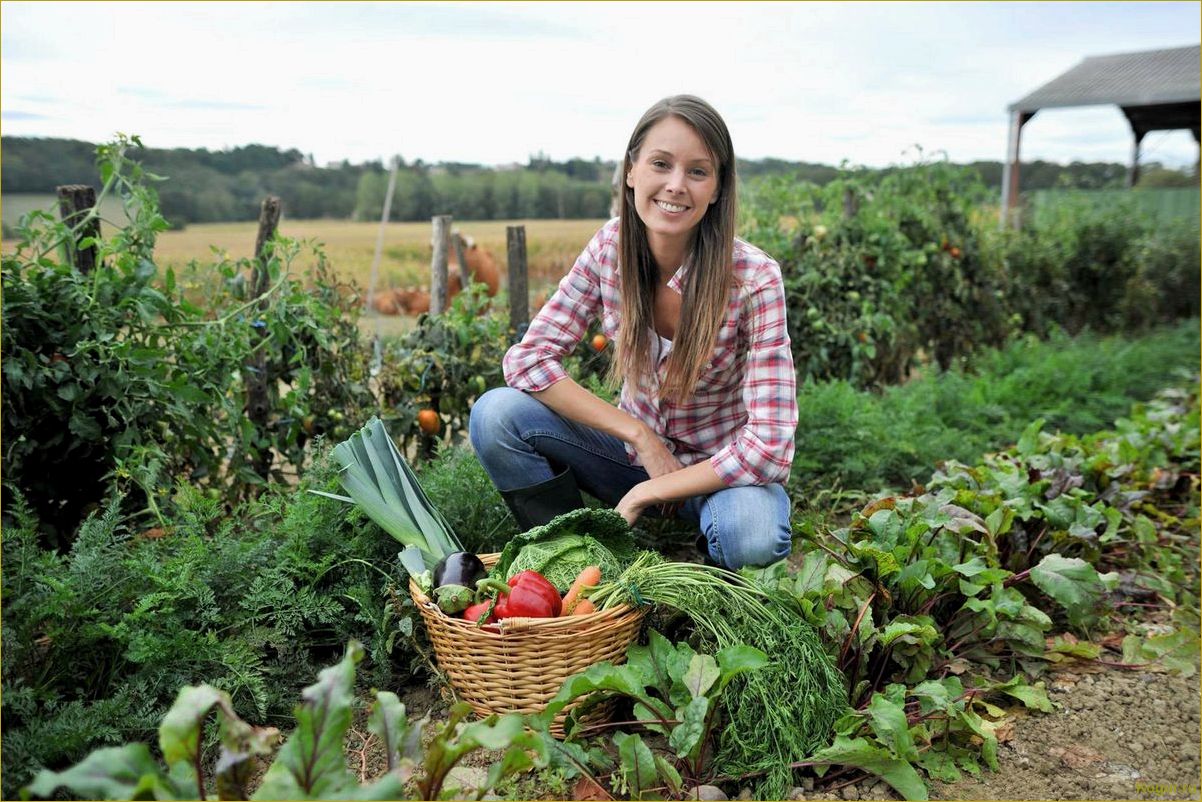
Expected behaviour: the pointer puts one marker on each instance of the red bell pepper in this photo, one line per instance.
(528, 594)
(477, 611)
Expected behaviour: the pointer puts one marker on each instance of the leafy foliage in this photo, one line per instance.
(116, 378)
(310, 764)
(444, 364)
(887, 271)
(868, 441)
(96, 640)
(676, 693)
(972, 576)
(457, 485)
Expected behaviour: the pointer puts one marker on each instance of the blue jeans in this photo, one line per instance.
(521, 442)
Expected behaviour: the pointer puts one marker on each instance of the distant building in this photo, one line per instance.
(1157, 90)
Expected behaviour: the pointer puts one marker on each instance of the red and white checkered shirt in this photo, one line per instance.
(743, 412)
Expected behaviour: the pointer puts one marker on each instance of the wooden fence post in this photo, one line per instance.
(438, 265)
(851, 203)
(465, 277)
(74, 203)
(519, 301)
(258, 390)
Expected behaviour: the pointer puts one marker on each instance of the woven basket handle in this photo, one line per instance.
(517, 624)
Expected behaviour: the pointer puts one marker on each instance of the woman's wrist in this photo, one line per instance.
(639, 434)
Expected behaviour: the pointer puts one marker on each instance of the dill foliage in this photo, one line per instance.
(779, 714)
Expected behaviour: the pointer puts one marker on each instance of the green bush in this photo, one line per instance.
(116, 379)
(880, 270)
(443, 364)
(460, 489)
(887, 271)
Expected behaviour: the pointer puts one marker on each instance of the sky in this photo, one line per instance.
(494, 83)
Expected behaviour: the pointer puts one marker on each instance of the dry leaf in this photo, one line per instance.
(1004, 731)
(958, 666)
(587, 790)
(1076, 756)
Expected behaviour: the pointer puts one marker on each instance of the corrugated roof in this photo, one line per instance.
(1124, 79)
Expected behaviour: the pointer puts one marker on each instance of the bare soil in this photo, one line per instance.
(1115, 734)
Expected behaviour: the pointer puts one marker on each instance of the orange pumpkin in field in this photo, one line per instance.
(429, 421)
(599, 342)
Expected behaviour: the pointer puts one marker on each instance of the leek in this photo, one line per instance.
(377, 478)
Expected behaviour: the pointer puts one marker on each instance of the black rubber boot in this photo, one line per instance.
(538, 504)
(703, 548)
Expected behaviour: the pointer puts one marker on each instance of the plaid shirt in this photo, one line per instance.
(743, 412)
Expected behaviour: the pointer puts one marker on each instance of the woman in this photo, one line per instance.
(708, 406)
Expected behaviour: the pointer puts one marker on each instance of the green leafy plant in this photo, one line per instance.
(121, 378)
(971, 578)
(381, 482)
(443, 365)
(777, 714)
(98, 639)
(889, 270)
(311, 764)
(676, 693)
(937, 725)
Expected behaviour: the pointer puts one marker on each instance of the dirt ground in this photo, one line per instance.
(1115, 735)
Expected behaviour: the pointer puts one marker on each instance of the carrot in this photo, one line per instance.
(584, 607)
(588, 578)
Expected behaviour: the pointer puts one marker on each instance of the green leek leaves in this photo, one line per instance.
(378, 479)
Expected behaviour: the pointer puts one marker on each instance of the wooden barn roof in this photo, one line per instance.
(1148, 78)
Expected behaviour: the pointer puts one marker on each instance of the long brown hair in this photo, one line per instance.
(708, 282)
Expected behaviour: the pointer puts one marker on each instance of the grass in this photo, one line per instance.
(860, 442)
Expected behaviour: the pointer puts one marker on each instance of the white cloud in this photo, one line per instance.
(495, 82)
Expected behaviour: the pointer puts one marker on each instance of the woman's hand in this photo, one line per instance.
(655, 456)
(633, 504)
(658, 461)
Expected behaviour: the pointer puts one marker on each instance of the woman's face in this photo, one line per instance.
(674, 180)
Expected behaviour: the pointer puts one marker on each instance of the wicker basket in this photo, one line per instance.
(519, 664)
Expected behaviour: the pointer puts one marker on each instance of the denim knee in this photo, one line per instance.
(491, 415)
(747, 525)
(495, 434)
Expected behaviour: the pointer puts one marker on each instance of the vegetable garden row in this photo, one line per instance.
(142, 552)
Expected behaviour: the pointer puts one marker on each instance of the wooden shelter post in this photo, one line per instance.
(1010, 169)
(1133, 172)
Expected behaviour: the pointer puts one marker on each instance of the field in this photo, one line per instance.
(14, 205)
(551, 245)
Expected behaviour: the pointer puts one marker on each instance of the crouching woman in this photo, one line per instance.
(704, 427)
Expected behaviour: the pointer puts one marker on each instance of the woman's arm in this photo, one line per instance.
(696, 480)
(575, 403)
(535, 365)
(761, 452)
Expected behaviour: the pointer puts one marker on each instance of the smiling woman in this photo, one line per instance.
(704, 428)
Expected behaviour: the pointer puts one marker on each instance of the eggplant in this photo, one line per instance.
(455, 579)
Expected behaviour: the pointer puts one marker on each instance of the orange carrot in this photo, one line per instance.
(588, 578)
(584, 607)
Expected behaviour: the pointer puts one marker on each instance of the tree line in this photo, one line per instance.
(227, 185)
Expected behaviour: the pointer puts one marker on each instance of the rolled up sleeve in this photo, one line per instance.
(762, 450)
(536, 363)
